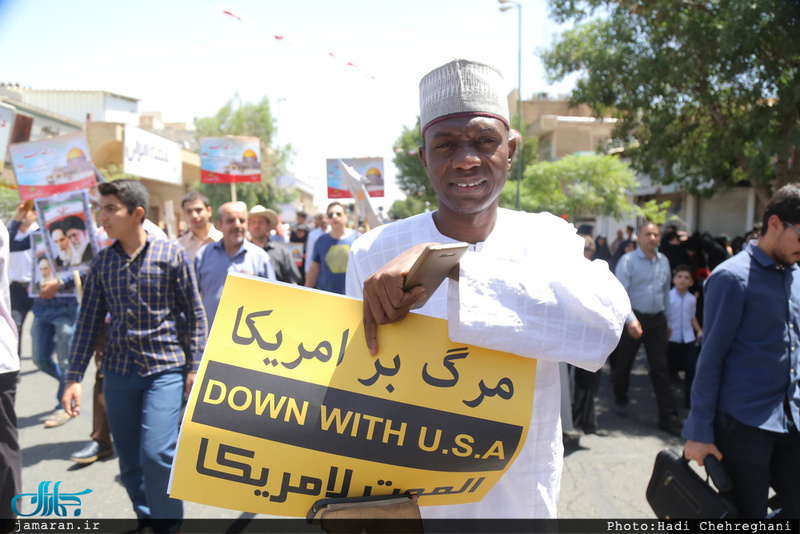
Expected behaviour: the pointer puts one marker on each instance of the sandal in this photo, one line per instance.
(57, 418)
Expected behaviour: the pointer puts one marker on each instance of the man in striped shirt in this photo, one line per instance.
(145, 285)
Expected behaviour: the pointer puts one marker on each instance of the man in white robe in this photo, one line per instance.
(523, 287)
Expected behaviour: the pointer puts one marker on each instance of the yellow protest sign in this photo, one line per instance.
(289, 407)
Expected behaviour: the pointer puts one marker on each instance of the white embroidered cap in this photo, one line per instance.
(462, 87)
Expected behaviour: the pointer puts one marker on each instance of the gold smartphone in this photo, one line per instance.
(432, 267)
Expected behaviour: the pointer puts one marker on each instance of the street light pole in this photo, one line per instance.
(505, 6)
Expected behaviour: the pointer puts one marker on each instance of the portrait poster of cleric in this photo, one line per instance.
(42, 268)
(285, 412)
(68, 230)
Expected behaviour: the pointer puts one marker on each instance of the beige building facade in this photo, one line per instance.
(165, 165)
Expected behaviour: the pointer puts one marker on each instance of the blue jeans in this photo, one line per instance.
(52, 331)
(144, 413)
(756, 459)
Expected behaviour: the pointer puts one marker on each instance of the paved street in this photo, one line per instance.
(605, 476)
(46, 451)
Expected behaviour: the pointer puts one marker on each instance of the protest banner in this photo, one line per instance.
(231, 159)
(297, 251)
(52, 166)
(357, 185)
(371, 170)
(285, 411)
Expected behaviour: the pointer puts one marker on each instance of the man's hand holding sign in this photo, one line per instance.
(406, 283)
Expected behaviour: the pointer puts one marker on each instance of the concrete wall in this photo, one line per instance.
(732, 212)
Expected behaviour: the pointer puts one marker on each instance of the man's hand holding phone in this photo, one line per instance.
(405, 283)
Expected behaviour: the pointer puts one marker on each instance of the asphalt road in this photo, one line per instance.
(605, 475)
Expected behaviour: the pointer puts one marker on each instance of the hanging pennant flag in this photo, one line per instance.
(238, 15)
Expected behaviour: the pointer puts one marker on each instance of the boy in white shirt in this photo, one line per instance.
(682, 321)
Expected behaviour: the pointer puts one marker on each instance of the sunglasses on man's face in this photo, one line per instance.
(793, 227)
(335, 214)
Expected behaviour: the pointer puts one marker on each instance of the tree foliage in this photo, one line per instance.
(9, 200)
(411, 205)
(656, 212)
(530, 155)
(252, 120)
(707, 91)
(579, 186)
(411, 177)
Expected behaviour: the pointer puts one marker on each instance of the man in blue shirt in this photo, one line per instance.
(745, 398)
(231, 254)
(153, 346)
(329, 260)
(645, 275)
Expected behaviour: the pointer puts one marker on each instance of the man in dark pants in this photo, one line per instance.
(20, 269)
(746, 394)
(645, 275)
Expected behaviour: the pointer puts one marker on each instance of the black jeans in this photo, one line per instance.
(10, 454)
(655, 341)
(756, 459)
(683, 356)
(21, 305)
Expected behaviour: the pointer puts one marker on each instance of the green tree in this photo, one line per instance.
(578, 185)
(411, 177)
(655, 212)
(707, 92)
(9, 200)
(411, 205)
(530, 155)
(252, 120)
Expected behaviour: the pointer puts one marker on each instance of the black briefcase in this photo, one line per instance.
(676, 491)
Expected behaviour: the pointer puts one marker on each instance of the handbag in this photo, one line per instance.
(676, 491)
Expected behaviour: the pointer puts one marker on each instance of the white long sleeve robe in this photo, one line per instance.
(527, 290)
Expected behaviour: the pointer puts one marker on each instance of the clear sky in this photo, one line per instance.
(186, 58)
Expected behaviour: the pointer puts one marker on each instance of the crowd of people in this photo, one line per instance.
(722, 317)
(236, 239)
(663, 274)
(148, 303)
